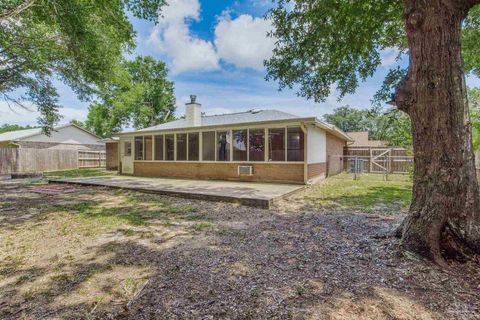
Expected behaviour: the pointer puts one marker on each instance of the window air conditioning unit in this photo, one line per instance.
(245, 170)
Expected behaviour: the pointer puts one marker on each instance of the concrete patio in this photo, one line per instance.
(261, 195)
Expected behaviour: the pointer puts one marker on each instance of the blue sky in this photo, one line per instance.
(215, 49)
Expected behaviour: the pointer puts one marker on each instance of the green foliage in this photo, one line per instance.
(13, 127)
(78, 41)
(330, 44)
(140, 96)
(474, 100)
(389, 125)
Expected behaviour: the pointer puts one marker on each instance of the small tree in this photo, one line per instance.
(338, 43)
(140, 96)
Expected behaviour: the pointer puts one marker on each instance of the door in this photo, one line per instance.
(126, 154)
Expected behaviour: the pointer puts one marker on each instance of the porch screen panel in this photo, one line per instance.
(169, 147)
(239, 145)
(148, 144)
(223, 146)
(138, 148)
(295, 144)
(276, 150)
(159, 147)
(181, 146)
(208, 146)
(193, 146)
(257, 145)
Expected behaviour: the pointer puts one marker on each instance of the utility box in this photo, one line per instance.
(357, 166)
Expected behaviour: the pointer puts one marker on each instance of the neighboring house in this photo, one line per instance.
(68, 136)
(361, 139)
(257, 145)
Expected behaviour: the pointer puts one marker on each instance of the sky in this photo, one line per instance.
(215, 50)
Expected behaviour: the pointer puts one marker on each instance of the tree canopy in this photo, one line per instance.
(79, 42)
(474, 99)
(140, 96)
(389, 125)
(13, 127)
(334, 45)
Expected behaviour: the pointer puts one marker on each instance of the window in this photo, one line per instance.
(257, 145)
(127, 147)
(148, 147)
(193, 146)
(240, 145)
(223, 146)
(169, 147)
(181, 146)
(138, 148)
(208, 146)
(159, 147)
(295, 144)
(276, 139)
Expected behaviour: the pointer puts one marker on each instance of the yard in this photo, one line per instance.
(326, 253)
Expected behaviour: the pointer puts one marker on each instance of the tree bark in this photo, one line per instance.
(444, 217)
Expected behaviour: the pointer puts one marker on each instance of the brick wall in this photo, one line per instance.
(112, 155)
(316, 171)
(264, 172)
(335, 148)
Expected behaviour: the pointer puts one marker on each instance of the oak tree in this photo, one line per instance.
(76, 41)
(327, 44)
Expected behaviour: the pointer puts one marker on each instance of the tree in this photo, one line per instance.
(349, 119)
(474, 99)
(141, 96)
(13, 127)
(338, 43)
(77, 41)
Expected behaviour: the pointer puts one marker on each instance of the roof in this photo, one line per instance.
(228, 119)
(361, 139)
(244, 118)
(19, 134)
(27, 133)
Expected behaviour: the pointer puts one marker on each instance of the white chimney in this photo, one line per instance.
(193, 114)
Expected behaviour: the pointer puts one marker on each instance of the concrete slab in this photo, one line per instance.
(252, 194)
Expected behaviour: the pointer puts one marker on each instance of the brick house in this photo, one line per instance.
(257, 145)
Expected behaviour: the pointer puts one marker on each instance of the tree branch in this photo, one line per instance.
(17, 10)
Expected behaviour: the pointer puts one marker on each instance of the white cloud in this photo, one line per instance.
(243, 41)
(172, 36)
(17, 115)
(389, 57)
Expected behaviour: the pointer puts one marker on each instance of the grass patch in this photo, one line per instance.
(77, 173)
(368, 194)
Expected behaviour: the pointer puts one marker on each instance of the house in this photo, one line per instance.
(362, 140)
(69, 136)
(257, 145)
(111, 148)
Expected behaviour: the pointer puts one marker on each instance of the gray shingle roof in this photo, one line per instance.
(228, 119)
(19, 134)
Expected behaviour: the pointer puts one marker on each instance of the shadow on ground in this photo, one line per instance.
(248, 264)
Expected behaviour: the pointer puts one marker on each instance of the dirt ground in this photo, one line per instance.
(93, 253)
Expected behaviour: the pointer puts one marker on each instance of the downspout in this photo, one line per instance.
(305, 152)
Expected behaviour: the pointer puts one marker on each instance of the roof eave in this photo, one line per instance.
(309, 119)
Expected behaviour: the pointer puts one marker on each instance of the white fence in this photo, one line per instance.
(26, 160)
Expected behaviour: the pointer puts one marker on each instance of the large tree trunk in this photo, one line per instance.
(444, 215)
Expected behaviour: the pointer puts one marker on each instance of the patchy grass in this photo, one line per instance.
(77, 173)
(368, 194)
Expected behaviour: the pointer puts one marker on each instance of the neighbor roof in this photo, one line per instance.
(244, 118)
(19, 134)
(27, 133)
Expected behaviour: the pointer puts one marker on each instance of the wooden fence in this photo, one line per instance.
(91, 159)
(26, 160)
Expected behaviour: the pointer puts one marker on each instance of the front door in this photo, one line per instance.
(127, 155)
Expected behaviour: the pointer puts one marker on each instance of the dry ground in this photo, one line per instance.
(92, 253)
